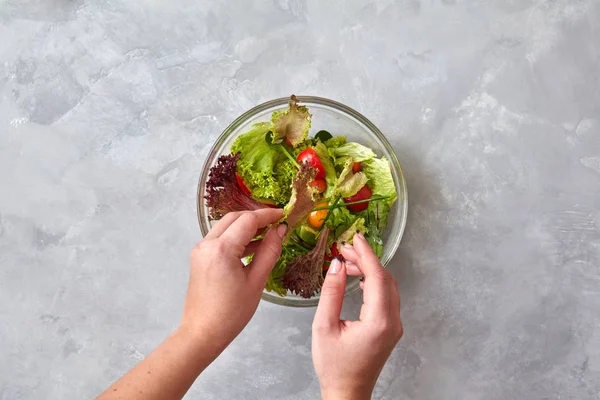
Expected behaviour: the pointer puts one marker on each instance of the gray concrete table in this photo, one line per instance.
(108, 109)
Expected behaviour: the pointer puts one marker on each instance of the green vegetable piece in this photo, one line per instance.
(349, 183)
(339, 220)
(357, 152)
(381, 182)
(307, 234)
(266, 171)
(323, 136)
(269, 137)
(348, 235)
(292, 123)
(335, 142)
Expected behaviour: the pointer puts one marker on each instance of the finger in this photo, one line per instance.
(225, 222)
(368, 261)
(352, 269)
(349, 253)
(328, 311)
(362, 285)
(266, 255)
(243, 229)
(222, 224)
(377, 289)
(252, 247)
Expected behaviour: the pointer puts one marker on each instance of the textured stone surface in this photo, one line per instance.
(108, 108)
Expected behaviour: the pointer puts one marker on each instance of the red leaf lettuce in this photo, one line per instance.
(304, 274)
(224, 194)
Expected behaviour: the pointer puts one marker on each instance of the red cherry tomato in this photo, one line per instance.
(242, 185)
(335, 252)
(356, 167)
(319, 184)
(310, 156)
(363, 194)
(326, 257)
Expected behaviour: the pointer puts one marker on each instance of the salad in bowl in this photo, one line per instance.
(329, 186)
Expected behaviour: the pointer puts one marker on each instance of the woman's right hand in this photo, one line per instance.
(349, 355)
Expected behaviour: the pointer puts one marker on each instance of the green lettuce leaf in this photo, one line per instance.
(348, 235)
(292, 123)
(265, 170)
(335, 142)
(327, 162)
(379, 172)
(340, 220)
(349, 183)
(356, 151)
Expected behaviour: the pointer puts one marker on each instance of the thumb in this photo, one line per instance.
(267, 254)
(332, 296)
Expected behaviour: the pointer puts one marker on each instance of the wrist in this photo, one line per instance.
(345, 394)
(199, 344)
(204, 334)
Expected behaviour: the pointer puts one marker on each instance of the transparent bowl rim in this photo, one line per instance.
(282, 101)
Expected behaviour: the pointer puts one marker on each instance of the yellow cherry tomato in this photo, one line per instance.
(316, 218)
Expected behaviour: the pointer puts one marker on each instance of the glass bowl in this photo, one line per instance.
(337, 119)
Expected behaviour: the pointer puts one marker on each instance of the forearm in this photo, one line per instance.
(169, 371)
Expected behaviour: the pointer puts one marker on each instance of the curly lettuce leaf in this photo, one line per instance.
(291, 124)
(223, 193)
(274, 283)
(303, 274)
(381, 182)
(348, 235)
(265, 170)
(327, 162)
(335, 142)
(349, 183)
(357, 152)
(302, 200)
(340, 220)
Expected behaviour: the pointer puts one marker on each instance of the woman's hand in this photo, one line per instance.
(349, 355)
(222, 294)
(222, 297)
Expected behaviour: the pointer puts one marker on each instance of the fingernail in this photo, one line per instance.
(343, 242)
(362, 279)
(282, 229)
(359, 234)
(335, 265)
(347, 245)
